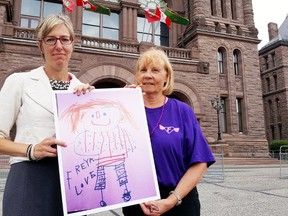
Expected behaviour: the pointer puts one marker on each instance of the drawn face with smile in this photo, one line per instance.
(102, 118)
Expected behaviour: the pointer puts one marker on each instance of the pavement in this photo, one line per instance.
(241, 187)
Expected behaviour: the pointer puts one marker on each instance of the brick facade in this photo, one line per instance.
(193, 53)
(273, 67)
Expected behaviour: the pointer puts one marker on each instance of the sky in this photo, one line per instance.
(266, 11)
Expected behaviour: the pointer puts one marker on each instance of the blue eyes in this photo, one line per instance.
(103, 114)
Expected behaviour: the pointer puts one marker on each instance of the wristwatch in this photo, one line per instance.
(177, 196)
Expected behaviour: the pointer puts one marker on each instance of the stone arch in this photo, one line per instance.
(107, 71)
(101, 72)
(190, 94)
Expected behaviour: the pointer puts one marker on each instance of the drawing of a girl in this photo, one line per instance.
(96, 124)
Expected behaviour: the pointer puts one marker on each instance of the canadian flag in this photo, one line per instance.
(157, 16)
(163, 17)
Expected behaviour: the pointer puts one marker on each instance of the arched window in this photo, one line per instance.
(237, 62)
(221, 58)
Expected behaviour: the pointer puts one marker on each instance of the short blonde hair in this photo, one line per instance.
(48, 23)
(154, 56)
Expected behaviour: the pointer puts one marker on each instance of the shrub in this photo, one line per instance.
(276, 144)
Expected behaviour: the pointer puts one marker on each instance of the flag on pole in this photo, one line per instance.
(176, 18)
(163, 17)
(69, 4)
(91, 5)
(151, 17)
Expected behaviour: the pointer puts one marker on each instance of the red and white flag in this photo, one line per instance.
(163, 17)
(151, 17)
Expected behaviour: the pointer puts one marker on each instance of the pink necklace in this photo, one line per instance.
(160, 117)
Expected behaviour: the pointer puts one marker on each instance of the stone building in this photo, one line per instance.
(273, 67)
(214, 56)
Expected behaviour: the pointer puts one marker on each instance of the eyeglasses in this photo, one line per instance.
(51, 40)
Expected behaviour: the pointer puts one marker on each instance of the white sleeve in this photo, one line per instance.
(10, 103)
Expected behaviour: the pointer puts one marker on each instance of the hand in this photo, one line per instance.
(132, 86)
(156, 208)
(47, 148)
(83, 89)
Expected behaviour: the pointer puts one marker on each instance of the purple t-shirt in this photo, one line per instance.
(178, 141)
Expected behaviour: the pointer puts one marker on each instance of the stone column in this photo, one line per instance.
(128, 20)
(6, 27)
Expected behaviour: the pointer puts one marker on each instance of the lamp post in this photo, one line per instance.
(217, 105)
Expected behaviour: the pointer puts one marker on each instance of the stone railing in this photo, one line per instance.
(102, 43)
(109, 44)
(24, 33)
(179, 53)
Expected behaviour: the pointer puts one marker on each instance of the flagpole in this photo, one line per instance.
(150, 28)
(143, 30)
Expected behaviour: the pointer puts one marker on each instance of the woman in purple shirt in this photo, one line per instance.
(181, 153)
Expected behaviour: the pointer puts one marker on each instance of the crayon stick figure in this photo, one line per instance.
(99, 134)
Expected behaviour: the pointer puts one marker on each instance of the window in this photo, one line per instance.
(275, 81)
(213, 7)
(220, 61)
(268, 84)
(239, 114)
(34, 10)
(266, 62)
(280, 131)
(236, 63)
(270, 111)
(233, 9)
(223, 9)
(272, 132)
(155, 32)
(273, 56)
(278, 105)
(100, 25)
(223, 115)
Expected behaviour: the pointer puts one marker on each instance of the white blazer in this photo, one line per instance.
(26, 99)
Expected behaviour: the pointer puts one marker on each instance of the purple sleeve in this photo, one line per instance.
(196, 146)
